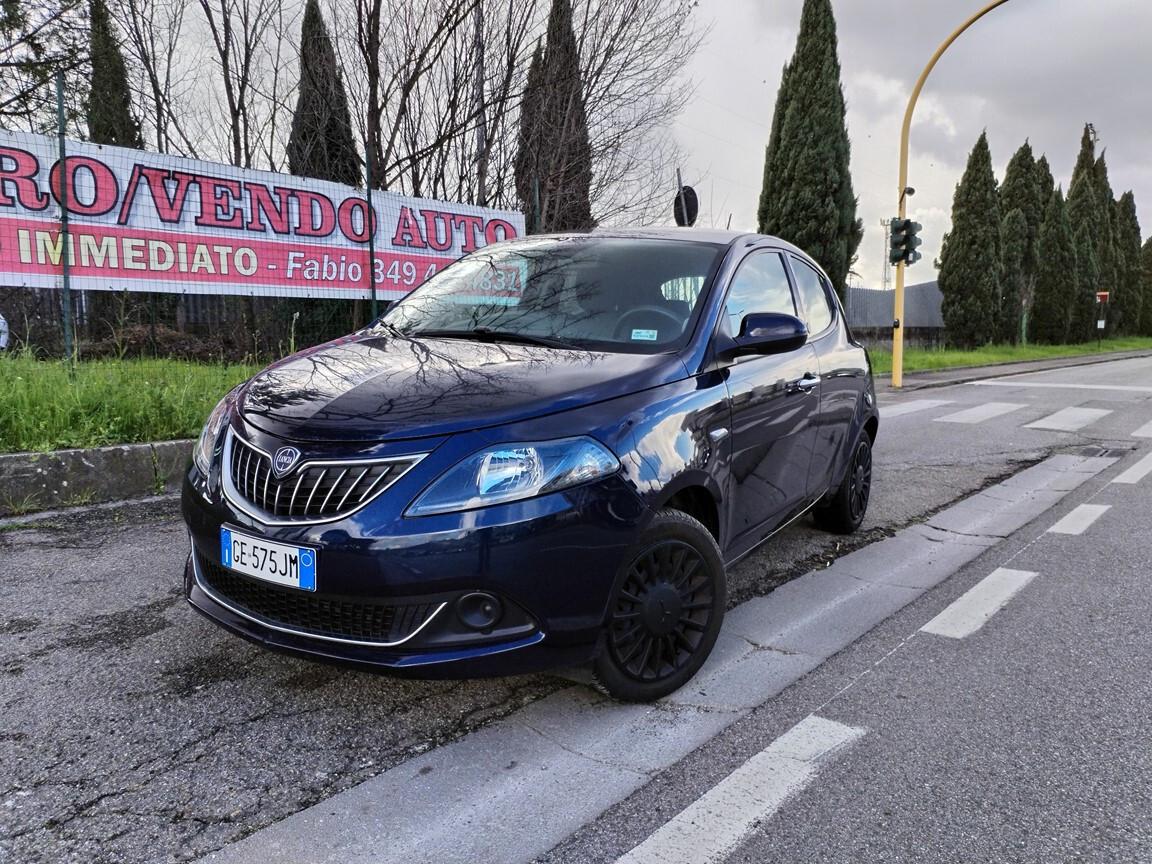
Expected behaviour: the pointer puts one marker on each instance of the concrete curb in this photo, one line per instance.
(31, 482)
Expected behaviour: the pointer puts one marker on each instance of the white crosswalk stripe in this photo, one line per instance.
(1137, 472)
(724, 815)
(1144, 431)
(902, 408)
(972, 610)
(980, 413)
(1080, 519)
(1069, 419)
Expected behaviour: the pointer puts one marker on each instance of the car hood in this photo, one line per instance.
(374, 387)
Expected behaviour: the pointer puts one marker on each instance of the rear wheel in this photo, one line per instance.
(665, 612)
(845, 510)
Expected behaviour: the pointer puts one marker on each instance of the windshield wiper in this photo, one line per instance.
(489, 334)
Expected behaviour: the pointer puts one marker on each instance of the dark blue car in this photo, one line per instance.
(546, 456)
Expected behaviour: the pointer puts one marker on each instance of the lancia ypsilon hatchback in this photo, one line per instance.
(545, 456)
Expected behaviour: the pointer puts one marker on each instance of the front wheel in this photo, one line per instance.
(844, 512)
(665, 613)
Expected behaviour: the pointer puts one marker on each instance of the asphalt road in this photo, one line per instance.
(131, 730)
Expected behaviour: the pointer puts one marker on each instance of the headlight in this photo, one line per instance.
(206, 446)
(511, 472)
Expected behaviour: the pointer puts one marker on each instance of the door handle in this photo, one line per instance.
(808, 381)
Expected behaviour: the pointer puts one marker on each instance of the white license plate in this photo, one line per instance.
(294, 566)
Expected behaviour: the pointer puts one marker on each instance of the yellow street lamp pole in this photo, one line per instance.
(898, 311)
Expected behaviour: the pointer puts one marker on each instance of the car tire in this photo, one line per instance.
(844, 512)
(665, 611)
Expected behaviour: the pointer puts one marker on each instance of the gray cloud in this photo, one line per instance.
(1035, 69)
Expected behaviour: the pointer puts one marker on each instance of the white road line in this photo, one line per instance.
(1126, 388)
(987, 597)
(715, 822)
(1137, 472)
(1069, 419)
(980, 413)
(902, 408)
(1080, 519)
(1144, 431)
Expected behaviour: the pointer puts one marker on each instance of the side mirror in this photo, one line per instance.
(768, 333)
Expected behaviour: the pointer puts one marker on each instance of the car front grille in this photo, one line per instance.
(315, 614)
(323, 491)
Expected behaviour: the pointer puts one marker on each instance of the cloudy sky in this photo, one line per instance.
(1036, 69)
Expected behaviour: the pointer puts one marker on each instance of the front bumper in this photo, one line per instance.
(549, 561)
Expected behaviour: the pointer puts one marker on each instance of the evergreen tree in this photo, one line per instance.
(1013, 275)
(807, 196)
(554, 148)
(321, 144)
(1021, 191)
(1127, 312)
(109, 106)
(1083, 318)
(969, 276)
(529, 141)
(1145, 328)
(1045, 182)
(1055, 275)
(1105, 238)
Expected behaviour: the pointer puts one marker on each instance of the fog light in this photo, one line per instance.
(479, 611)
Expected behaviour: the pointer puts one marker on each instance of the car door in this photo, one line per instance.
(774, 399)
(839, 369)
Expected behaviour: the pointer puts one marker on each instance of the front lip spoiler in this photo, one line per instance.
(263, 622)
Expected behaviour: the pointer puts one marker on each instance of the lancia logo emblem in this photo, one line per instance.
(285, 460)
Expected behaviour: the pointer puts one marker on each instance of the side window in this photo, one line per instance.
(760, 285)
(813, 295)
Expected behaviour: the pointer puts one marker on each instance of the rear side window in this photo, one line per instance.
(760, 285)
(813, 295)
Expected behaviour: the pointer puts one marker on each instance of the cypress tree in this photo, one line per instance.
(1105, 239)
(1044, 181)
(969, 276)
(1145, 328)
(807, 196)
(528, 141)
(1055, 275)
(1021, 191)
(1083, 318)
(1126, 313)
(109, 106)
(553, 116)
(1013, 275)
(321, 144)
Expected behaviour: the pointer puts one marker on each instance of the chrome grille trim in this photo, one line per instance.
(250, 485)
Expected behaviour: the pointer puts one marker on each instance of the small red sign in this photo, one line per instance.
(1101, 296)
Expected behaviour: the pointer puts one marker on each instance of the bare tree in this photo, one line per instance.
(36, 40)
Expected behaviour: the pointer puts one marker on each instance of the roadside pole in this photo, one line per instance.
(904, 191)
(370, 215)
(65, 256)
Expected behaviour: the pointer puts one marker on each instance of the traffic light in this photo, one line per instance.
(903, 241)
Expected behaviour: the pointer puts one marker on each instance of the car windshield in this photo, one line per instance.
(614, 294)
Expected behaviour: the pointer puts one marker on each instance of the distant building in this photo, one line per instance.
(869, 312)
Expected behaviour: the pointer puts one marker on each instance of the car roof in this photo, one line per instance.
(691, 235)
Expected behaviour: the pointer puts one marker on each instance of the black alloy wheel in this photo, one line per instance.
(665, 613)
(844, 511)
(861, 487)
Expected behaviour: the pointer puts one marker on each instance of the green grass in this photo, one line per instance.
(44, 408)
(925, 359)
